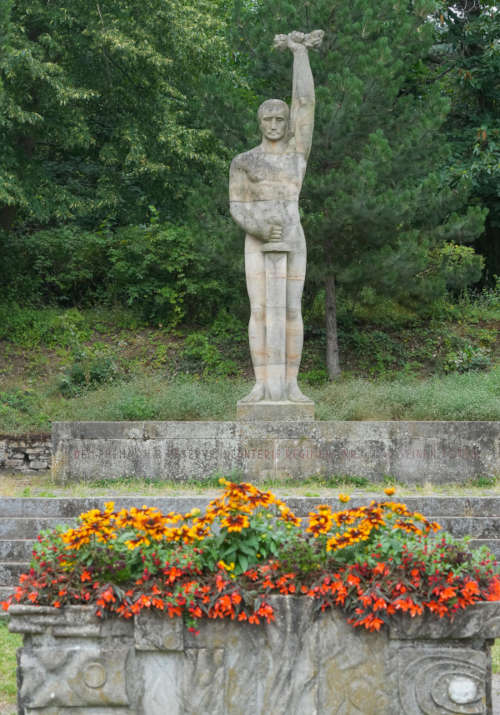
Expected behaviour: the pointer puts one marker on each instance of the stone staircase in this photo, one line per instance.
(21, 519)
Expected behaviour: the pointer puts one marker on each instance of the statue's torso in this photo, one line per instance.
(267, 177)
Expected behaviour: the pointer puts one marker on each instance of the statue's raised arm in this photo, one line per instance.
(303, 99)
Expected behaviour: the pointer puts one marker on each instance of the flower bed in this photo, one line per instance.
(372, 561)
(379, 567)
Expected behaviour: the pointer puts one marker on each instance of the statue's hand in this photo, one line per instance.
(314, 39)
(295, 40)
(280, 42)
(276, 232)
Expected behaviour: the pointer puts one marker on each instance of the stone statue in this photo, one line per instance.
(264, 189)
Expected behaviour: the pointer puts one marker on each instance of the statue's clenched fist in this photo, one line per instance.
(295, 40)
(276, 233)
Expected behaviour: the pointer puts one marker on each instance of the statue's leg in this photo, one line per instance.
(294, 326)
(256, 286)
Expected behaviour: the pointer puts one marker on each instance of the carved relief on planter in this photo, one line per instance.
(73, 676)
(436, 680)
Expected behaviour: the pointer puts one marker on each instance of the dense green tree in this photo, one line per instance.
(466, 62)
(109, 109)
(377, 199)
(104, 108)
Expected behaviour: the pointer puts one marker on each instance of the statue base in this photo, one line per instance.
(268, 411)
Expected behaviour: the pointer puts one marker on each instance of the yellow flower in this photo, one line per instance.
(235, 522)
(225, 567)
(389, 491)
(344, 498)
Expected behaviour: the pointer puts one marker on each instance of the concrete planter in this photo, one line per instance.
(73, 663)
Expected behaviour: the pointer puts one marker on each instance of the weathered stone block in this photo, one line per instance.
(300, 664)
(413, 452)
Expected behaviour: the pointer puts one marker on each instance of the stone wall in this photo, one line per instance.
(72, 662)
(412, 452)
(25, 453)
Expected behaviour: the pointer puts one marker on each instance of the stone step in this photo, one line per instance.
(5, 592)
(15, 528)
(10, 572)
(479, 527)
(65, 508)
(16, 550)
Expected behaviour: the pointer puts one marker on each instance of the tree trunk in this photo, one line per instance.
(332, 344)
(7, 217)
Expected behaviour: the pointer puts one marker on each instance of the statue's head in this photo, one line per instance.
(273, 116)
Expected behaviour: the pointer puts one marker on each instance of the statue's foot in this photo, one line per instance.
(257, 393)
(294, 394)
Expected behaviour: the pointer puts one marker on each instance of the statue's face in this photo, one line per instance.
(274, 123)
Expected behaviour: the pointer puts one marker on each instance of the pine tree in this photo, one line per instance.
(466, 60)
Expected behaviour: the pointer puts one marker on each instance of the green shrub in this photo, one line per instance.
(90, 367)
(135, 407)
(68, 265)
(49, 327)
(201, 356)
(159, 270)
(22, 407)
(376, 351)
(316, 376)
(470, 357)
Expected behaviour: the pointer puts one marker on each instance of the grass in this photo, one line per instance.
(9, 643)
(42, 485)
(495, 657)
(470, 396)
(102, 363)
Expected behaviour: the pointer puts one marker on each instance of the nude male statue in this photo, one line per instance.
(264, 188)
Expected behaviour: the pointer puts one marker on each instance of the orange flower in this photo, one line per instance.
(235, 522)
(389, 491)
(344, 498)
(470, 589)
(447, 593)
(494, 590)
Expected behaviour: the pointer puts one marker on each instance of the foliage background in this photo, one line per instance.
(118, 122)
